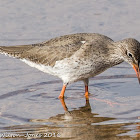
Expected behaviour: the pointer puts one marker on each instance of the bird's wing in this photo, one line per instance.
(42, 53)
(56, 49)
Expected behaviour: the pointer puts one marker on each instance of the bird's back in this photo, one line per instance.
(74, 38)
(48, 52)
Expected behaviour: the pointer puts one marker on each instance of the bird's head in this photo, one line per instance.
(130, 51)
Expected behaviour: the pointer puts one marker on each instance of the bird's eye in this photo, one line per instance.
(130, 55)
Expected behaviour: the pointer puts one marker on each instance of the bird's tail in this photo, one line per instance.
(14, 51)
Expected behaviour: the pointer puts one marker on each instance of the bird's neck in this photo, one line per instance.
(115, 55)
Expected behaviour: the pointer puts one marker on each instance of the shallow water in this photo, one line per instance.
(29, 107)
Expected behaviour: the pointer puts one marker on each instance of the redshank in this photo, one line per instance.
(78, 56)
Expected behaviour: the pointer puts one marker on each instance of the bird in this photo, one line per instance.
(77, 57)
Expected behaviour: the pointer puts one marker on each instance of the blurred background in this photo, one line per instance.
(28, 97)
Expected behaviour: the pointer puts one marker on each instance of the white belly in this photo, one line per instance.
(67, 70)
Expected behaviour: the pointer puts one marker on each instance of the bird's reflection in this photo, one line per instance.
(79, 123)
(87, 106)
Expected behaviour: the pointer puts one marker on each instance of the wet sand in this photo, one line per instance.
(29, 104)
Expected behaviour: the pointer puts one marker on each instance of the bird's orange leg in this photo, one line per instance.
(62, 92)
(86, 92)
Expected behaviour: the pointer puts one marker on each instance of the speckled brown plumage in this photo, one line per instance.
(78, 56)
(49, 52)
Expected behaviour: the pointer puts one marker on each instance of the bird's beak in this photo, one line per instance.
(136, 67)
